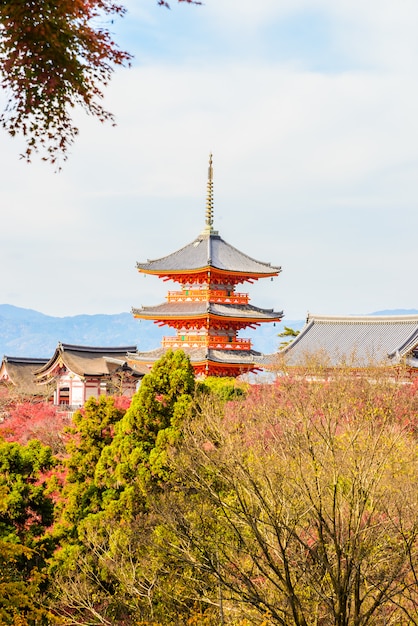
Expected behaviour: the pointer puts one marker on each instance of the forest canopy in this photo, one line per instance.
(286, 504)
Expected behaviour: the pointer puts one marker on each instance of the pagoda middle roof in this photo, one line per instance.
(208, 250)
(190, 310)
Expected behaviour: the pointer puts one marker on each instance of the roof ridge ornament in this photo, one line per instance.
(209, 202)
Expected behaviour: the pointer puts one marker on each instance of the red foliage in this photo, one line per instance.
(55, 479)
(122, 402)
(35, 420)
(340, 400)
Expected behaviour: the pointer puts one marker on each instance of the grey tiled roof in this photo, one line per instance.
(244, 357)
(209, 250)
(24, 360)
(192, 309)
(108, 350)
(247, 357)
(20, 371)
(358, 340)
(88, 360)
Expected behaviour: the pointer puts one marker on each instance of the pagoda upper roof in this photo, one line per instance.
(208, 252)
(192, 310)
(357, 340)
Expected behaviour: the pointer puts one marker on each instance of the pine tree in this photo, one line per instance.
(106, 565)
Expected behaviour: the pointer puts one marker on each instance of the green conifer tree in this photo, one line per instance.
(26, 512)
(107, 566)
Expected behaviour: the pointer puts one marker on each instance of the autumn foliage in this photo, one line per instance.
(54, 56)
(288, 504)
(309, 491)
(24, 420)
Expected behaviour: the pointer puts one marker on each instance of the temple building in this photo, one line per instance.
(356, 341)
(75, 373)
(207, 312)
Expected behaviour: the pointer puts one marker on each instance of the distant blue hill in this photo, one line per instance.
(25, 332)
(396, 312)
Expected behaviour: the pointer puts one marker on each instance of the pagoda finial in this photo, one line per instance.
(209, 200)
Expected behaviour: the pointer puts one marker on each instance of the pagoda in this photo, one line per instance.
(208, 312)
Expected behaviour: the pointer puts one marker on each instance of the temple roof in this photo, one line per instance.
(87, 360)
(192, 310)
(20, 372)
(245, 358)
(208, 252)
(356, 340)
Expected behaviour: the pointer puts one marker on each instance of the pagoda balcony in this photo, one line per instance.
(221, 296)
(206, 341)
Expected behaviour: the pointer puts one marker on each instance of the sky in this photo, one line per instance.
(310, 108)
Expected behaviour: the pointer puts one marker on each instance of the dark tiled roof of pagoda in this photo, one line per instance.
(208, 250)
(356, 340)
(197, 355)
(178, 310)
(245, 357)
(20, 371)
(88, 360)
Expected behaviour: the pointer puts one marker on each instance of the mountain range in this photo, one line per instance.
(28, 333)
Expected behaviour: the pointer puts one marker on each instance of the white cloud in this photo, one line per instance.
(284, 125)
(379, 34)
(313, 170)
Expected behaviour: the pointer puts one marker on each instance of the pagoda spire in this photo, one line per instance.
(209, 201)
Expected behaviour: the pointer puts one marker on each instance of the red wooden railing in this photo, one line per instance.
(220, 296)
(209, 341)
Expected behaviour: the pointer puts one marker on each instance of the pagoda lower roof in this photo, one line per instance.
(208, 253)
(170, 311)
(247, 358)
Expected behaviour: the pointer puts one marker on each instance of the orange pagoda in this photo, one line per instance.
(207, 312)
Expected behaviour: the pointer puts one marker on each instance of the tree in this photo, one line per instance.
(20, 591)
(26, 512)
(92, 430)
(301, 502)
(26, 509)
(107, 569)
(151, 425)
(288, 332)
(223, 388)
(54, 56)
